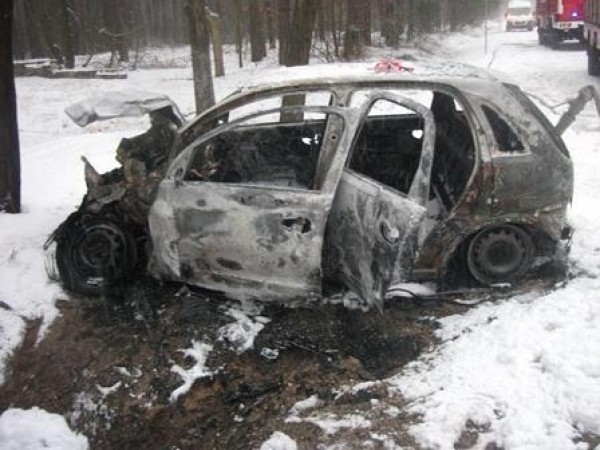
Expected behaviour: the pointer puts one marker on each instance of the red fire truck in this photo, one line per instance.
(591, 35)
(558, 20)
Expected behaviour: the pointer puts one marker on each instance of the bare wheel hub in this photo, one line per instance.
(499, 254)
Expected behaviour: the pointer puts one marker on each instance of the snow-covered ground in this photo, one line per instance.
(525, 370)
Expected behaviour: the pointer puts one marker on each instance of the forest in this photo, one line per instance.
(61, 29)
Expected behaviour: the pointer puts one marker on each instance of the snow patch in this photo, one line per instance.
(331, 424)
(527, 369)
(199, 352)
(311, 402)
(240, 334)
(34, 429)
(279, 441)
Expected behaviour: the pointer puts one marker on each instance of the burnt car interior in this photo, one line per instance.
(388, 150)
(285, 151)
(388, 147)
(454, 156)
(278, 154)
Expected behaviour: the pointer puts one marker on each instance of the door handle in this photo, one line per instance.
(389, 232)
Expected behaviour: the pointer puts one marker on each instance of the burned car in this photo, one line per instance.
(365, 176)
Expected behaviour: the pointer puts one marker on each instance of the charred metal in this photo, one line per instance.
(366, 179)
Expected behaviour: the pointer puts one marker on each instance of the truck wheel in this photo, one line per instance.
(593, 56)
(553, 40)
(95, 256)
(541, 37)
(499, 254)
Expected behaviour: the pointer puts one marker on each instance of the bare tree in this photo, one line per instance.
(299, 32)
(284, 21)
(68, 46)
(200, 43)
(214, 21)
(10, 166)
(257, 36)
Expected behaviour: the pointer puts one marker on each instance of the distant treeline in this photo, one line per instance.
(61, 29)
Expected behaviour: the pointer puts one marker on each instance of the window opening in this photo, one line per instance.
(506, 138)
(281, 154)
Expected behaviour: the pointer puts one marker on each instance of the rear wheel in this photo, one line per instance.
(95, 256)
(593, 61)
(554, 39)
(499, 254)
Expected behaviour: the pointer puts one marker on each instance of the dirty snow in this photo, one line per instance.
(240, 333)
(527, 368)
(303, 405)
(279, 441)
(331, 423)
(34, 429)
(199, 353)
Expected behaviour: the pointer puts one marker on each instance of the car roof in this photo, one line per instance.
(349, 73)
(464, 78)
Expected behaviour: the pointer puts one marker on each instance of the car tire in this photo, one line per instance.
(593, 56)
(499, 254)
(95, 256)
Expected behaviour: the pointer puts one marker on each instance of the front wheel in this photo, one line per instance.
(95, 256)
(499, 254)
(541, 37)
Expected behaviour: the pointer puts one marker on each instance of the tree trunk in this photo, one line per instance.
(334, 27)
(214, 21)
(300, 32)
(283, 29)
(239, 35)
(67, 35)
(365, 23)
(353, 34)
(269, 13)
(10, 170)
(257, 37)
(200, 43)
(115, 15)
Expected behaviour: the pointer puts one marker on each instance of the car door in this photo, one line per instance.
(374, 229)
(251, 237)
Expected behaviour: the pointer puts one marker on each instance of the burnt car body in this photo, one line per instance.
(345, 173)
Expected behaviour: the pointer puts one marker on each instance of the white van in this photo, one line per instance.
(519, 16)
